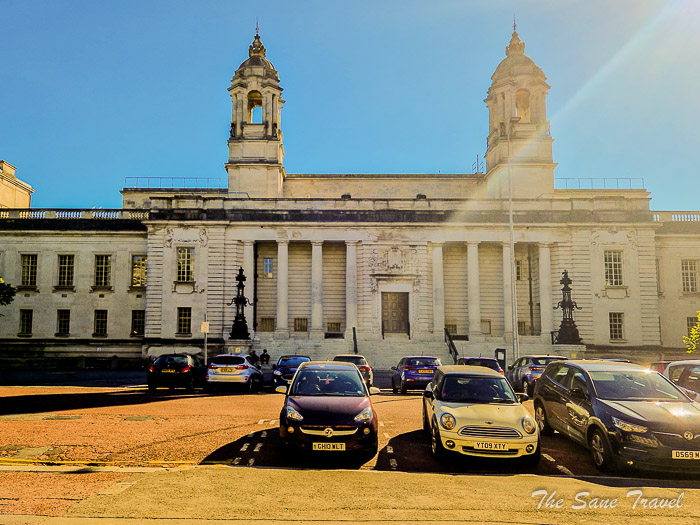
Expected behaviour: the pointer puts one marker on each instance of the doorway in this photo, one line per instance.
(395, 312)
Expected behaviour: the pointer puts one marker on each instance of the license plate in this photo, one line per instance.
(168, 371)
(685, 454)
(226, 369)
(488, 445)
(423, 371)
(328, 446)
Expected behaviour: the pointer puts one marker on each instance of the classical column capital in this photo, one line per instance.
(316, 243)
(473, 243)
(436, 243)
(248, 243)
(352, 243)
(282, 241)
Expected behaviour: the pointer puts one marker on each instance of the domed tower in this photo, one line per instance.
(255, 144)
(518, 127)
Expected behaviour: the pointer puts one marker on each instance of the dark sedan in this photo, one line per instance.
(413, 372)
(176, 371)
(286, 367)
(328, 409)
(625, 414)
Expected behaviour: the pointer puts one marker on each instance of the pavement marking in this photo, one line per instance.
(236, 461)
(393, 464)
(262, 421)
(549, 458)
(251, 434)
(250, 462)
(389, 450)
(264, 434)
(257, 447)
(564, 470)
(245, 447)
(381, 423)
(387, 435)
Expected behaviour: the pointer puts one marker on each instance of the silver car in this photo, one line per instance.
(234, 369)
(685, 374)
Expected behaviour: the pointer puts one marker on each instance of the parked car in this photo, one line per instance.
(413, 372)
(685, 374)
(176, 371)
(524, 372)
(488, 362)
(659, 366)
(361, 363)
(474, 411)
(234, 369)
(327, 408)
(286, 367)
(625, 414)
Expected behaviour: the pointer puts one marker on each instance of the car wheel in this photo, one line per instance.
(532, 460)
(190, 385)
(600, 451)
(525, 387)
(541, 419)
(426, 423)
(151, 387)
(394, 388)
(403, 387)
(436, 444)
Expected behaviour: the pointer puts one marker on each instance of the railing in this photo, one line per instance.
(599, 183)
(451, 346)
(677, 216)
(107, 214)
(354, 340)
(174, 182)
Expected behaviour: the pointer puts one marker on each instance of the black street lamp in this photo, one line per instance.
(568, 333)
(240, 326)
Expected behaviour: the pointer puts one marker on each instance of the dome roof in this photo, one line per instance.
(516, 61)
(256, 53)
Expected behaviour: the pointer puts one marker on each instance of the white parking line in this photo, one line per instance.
(236, 461)
(245, 447)
(387, 435)
(262, 421)
(381, 423)
(251, 434)
(263, 434)
(257, 447)
(393, 464)
(564, 470)
(548, 458)
(250, 462)
(389, 450)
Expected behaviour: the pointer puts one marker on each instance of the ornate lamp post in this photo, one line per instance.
(240, 326)
(568, 333)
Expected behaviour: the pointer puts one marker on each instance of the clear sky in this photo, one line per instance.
(93, 92)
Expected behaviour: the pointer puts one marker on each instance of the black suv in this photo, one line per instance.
(625, 414)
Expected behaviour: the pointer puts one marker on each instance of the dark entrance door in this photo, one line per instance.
(395, 312)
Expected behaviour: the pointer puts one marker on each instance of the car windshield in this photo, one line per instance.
(544, 361)
(229, 360)
(423, 361)
(328, 383)
(350, 359)
(488, 363)
(632, 385)
(476, 389)
(169, 360)
(293, 361)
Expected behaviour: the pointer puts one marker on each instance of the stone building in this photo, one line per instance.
(386, 262)
(13, 192)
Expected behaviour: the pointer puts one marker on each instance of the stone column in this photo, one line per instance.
(282, 328)
(507, 298)
(316, 290)
(350, 287)
(546, 313)
(474, 291)
(438, 291)
(249, 271)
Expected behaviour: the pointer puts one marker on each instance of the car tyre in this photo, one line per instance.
(541, 419)
(152, 387)
(403, 387)
(394, 388)
(190, 385)
(601, 453)
(436, 447)
(426, 423)
(527, 388)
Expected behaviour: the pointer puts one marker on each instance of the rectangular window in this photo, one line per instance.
(138, 322)
(658, 276)
(63, 323)
(29, 262)
(689, 276)
(616, 326)
(333, 327)
(301, 324)
(451, 327)
(518, 270)
(100, 323)
(522, 328)
(138, 270)
(613, 268)
(267, 324)
(66, 269)
(267, 268)
(26, 318)
(486, 326)
(184, 320)
(690, 321)
(103, 271)
(185, 265)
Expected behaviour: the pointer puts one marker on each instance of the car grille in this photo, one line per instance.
(670, 439)
(490, 452)
(490, 432)
(321, 431)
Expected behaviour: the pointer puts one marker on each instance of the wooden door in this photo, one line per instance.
(395, 312)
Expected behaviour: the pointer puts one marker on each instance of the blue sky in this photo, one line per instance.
(93, 92)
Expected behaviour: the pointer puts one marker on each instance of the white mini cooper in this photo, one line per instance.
(474, 411)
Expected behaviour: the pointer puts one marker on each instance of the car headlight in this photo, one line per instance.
(365, 415)
(628, 427)
(294, 415)
(277, 373)
(447, 421)
(529, 425)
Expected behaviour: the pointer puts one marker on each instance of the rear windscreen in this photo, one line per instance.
(229, 360)
(350, 359)
(488, 363)
(423, 361)
(292, 361)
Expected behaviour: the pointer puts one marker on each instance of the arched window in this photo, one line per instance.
(255, 113)
(522, 105)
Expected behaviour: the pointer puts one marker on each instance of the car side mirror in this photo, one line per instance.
(281, 389)
(522, 396)
(374, 390)
(393, 368)
(428, 394)
(578, 392)
(510, 367)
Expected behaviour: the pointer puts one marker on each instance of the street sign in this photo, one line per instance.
(205, 327)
